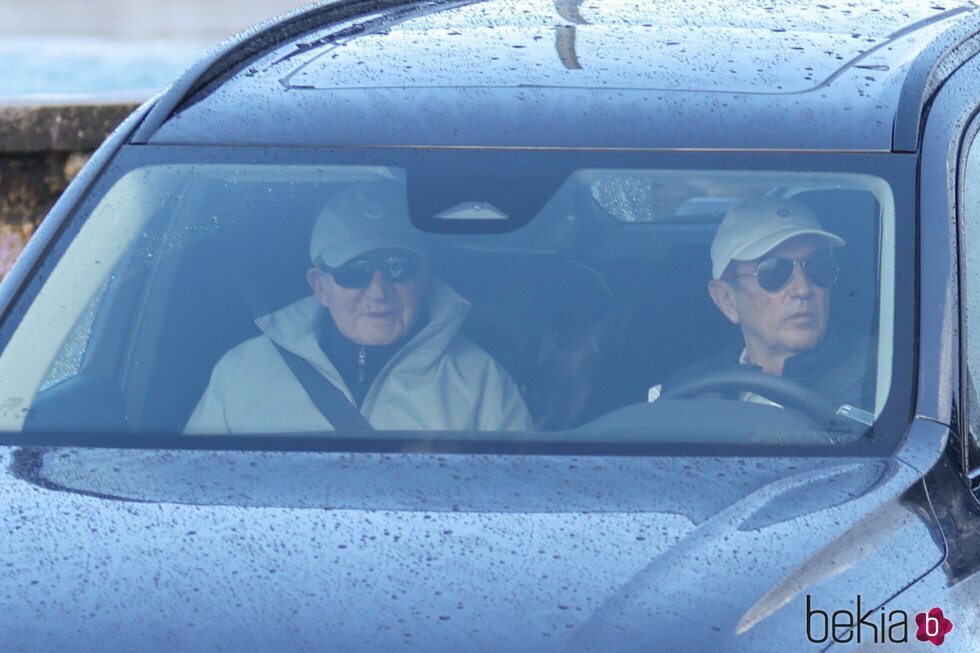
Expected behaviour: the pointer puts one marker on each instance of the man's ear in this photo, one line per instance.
(723, 295)
(314, 277)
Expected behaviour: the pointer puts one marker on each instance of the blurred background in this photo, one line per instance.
(126, 48)
(70, 70)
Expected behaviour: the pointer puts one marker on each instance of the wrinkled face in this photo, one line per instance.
(776, 325)
(381, 313)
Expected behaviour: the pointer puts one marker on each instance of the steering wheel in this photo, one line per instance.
(774, 388)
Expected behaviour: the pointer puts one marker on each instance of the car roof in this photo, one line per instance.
(830, 76)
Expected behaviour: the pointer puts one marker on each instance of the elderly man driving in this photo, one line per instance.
(773, 271)
(376, 346)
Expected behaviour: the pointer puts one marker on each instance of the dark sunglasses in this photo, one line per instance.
(397, 268)
(775, 273)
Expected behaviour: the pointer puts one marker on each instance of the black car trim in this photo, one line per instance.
(558, 444)
(958, 516)
(969, 450)
(930, 68)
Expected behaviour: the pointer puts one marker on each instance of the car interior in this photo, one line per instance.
(584, 327)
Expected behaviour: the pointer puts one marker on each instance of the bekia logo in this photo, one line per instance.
(933, 626)
(874, 626)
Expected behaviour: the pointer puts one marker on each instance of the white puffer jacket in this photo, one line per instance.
(439, 380)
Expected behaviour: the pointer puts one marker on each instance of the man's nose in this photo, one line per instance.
(379, 287)
(799, 283)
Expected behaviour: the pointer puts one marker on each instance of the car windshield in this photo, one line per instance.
(505, 297)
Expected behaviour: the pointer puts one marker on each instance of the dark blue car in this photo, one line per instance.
(540, 325)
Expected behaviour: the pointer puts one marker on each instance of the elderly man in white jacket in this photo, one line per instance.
(378, 328)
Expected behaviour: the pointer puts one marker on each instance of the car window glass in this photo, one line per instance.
(559, 306)
(69, 360)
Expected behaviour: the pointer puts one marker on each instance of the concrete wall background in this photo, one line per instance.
(71, 70)
(41, 149)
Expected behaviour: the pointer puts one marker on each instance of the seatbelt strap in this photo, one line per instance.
(328, 398)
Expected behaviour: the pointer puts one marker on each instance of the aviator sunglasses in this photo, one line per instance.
(397, 268)
(775, 273)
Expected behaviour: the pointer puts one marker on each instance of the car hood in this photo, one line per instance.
(205, 550)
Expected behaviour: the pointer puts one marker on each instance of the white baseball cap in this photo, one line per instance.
(362, 218)
(754, 228)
